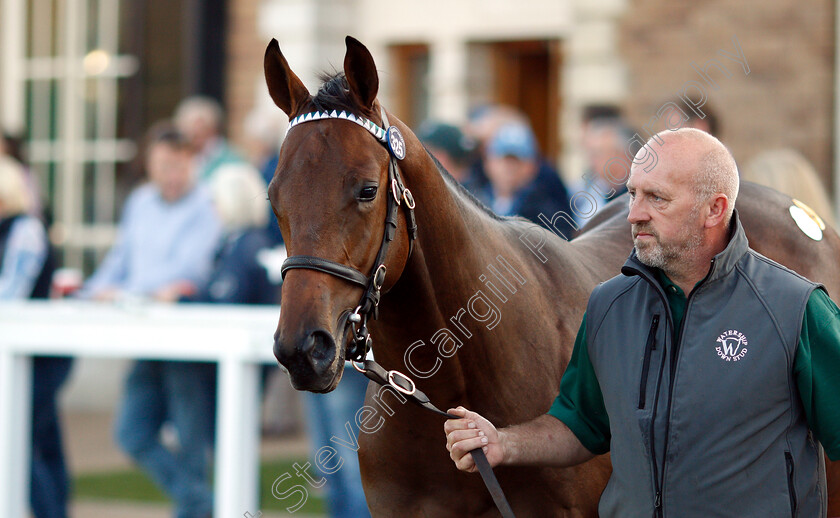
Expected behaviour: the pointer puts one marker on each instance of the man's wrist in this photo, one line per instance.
(506, 444)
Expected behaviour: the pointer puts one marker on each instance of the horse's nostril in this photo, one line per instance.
(320, 347)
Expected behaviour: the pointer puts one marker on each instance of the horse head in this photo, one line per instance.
(332, 194)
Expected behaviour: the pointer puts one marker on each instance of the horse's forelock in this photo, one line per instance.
(335, 94)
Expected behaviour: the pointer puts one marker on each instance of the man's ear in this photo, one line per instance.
(718, 207)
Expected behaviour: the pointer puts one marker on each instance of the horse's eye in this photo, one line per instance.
(367, 193)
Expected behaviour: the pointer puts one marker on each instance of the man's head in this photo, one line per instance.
(238, 193)
(604, 141)
(169, 162)
(200, 119)
(702, 116)
(511, 158)
(681, 209)
(14, 196)
(449, 145)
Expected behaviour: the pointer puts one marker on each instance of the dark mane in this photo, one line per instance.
(334, 94)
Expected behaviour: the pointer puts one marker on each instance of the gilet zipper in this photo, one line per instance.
(650, 346)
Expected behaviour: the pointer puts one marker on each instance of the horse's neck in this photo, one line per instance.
(445, 258)
(428, 313)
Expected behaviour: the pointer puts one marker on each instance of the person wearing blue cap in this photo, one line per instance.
(521, 184)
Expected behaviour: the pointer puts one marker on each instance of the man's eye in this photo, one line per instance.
(368, 193)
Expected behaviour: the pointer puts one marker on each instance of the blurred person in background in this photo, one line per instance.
(237, 277)
(521, 184)
(168, 231)
(452, 148)
(482, 123)
(708, 123)
(787, 171)
(599, 112)
(26, 267)
(11, 146)
(706, 120)
(605, 145)
(167, 236)
(264, 130)
(327, 416)
(201, 120)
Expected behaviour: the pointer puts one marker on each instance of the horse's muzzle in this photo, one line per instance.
(310, 360)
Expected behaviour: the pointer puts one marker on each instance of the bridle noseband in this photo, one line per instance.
(392, 139)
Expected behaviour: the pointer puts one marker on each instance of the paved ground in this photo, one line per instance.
(90, 448)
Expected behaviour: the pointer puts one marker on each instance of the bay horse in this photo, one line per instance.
(481, 310)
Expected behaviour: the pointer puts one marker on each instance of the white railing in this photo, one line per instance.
(239, 338)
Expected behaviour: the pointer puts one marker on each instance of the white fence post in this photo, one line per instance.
(15, 409)
(237, 438)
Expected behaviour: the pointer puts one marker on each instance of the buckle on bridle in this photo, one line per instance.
(379, 278)
(409, 198)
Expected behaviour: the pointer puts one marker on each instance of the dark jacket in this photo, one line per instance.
(41, 289)
(546, 194)
(711, 422)
(238, 277)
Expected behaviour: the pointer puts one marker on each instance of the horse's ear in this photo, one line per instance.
(285, 88)
(360, 71)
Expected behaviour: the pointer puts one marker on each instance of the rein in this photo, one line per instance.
(392, 139)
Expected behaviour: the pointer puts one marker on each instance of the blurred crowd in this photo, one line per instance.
(195, 231)
(496, 157)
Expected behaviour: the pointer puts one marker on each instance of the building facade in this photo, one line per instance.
(86, 77)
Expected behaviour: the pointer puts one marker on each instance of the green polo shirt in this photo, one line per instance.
(580, 404)
(676, 300)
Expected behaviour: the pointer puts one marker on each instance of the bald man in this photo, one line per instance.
(705, 369)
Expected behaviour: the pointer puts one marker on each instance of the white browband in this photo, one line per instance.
(374, 130)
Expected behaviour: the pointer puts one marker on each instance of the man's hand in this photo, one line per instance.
(173, 292)
(543, 441)
(469, 433)
(107, 295)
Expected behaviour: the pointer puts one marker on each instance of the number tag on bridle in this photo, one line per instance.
(396, 143)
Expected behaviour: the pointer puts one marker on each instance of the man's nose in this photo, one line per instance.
(637, 211)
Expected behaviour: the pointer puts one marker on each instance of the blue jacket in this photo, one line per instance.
(159, 243)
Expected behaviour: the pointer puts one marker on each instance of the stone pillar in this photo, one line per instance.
(593, 73)
(448, 80)
(12, 36)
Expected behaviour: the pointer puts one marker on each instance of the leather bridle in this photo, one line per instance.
(390, 137)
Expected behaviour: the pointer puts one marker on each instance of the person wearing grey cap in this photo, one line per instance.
(452, 148)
